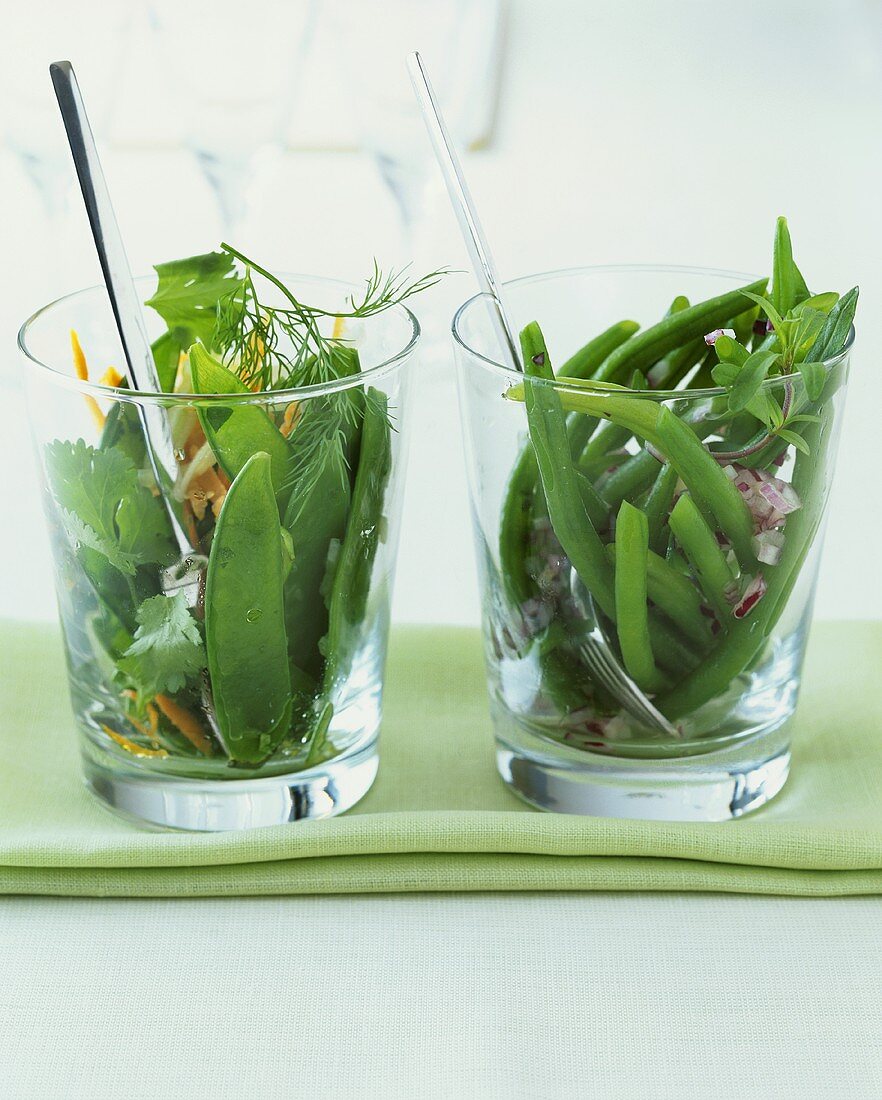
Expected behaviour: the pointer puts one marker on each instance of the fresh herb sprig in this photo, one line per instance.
(280, 347)
(795, 321)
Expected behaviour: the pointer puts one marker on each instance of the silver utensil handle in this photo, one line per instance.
(470, 226)
(118, 280)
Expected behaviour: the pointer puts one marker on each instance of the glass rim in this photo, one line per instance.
(261, 397)
(514, 377)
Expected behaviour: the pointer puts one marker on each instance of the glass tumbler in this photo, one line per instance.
(237, 683)
(643, 659)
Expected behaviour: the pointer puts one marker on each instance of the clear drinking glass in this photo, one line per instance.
(268, 674)
(727, 676)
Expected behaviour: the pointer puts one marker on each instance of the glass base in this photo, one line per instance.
(171, 802)
(689, 789)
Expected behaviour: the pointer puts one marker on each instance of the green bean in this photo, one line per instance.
(651, 345)
(245, 618)
(747, 636)
(584, 362)
(743, 324)
(703, 551)
(548, 434)
(595, 506)
(671, 370)
(627, 482)
(236, 432)
(632, 619)
(516, 524)
(365, 526)
(714, 493)
(658, 506)
(608, 437)
(674, 594)
(670, 588)
(703, 379)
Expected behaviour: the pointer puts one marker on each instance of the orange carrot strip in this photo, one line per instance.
(290, 419)
(188, 724)
(111, 377)
(153, 715)
(82, 372)
(130, 746)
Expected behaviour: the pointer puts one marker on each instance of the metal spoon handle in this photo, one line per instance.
(467, 216)
(118, 280)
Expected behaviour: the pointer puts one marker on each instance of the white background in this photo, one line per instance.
(659, 132)
(628, 132)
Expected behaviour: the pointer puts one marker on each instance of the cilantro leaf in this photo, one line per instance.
(104, 505)
(188, 292)
(186, 298)
(167, 647)
(142, 525)
(83, 535)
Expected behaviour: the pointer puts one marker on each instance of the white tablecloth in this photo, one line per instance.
(493, 996)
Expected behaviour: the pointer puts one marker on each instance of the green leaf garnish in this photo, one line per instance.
(189, 290)
(167, 648)
(795, 438)
(105, 506)
(749, 378)
(275, 347)
(186, 298)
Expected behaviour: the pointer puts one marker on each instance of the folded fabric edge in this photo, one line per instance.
(476, 832)
(432, 873)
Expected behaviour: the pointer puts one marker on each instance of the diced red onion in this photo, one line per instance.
(769, 499)
(752, 596)
(768, 545)
(782, 496)
(712, 337)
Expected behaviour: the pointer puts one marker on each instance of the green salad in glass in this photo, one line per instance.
(260, 653)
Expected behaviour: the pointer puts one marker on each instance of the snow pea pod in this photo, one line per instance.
(245, 618)
(236, 432)
(515, 531)
(315, 515)
(364, 531)
(653, 344)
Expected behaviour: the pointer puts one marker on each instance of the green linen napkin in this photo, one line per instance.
(438, 817)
